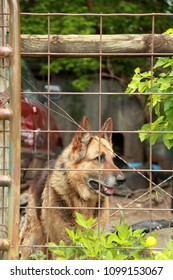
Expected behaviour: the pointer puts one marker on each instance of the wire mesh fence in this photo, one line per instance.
(78, 178)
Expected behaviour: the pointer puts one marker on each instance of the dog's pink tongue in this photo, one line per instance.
(108, 190)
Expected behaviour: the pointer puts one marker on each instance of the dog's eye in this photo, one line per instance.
(101, 158)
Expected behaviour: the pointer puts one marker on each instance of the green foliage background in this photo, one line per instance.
(86, 69)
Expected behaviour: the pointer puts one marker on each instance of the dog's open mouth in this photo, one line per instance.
(103, 189)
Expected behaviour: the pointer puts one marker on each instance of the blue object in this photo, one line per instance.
(138, 164)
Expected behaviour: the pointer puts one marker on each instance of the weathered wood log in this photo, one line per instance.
(81, 45)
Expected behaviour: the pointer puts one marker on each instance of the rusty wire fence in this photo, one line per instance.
(151, 199)
(147, 193)
(9, 128)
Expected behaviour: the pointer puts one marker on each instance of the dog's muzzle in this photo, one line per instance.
(107, 185)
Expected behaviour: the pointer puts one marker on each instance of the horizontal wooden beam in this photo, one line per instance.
(94, 45)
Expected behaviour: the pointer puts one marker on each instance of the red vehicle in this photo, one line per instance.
(35, 139)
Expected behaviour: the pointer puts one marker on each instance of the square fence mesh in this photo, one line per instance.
(53, 108)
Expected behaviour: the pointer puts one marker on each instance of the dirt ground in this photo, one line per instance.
(142, 205)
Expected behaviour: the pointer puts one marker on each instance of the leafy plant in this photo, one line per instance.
(167, 254)
(160, 84)
(122, 244)
(39, 255)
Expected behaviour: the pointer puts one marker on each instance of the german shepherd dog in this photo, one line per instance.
(82, 179)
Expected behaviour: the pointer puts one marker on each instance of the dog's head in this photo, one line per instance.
(94, 155)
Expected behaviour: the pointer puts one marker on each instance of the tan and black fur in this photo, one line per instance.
(82, 179)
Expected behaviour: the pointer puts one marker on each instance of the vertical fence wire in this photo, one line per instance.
(151, 113)
(100, 116)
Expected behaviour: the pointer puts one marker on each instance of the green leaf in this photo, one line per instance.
(146, 130)
(160, 62)
(70, 233)
(138, 232)
(114, 238)
(168, 31)
(156, 123)
(70, 253)
(122, 256)
(169, 63)
(156, 98)
(168, 140)
(91, 222)
(143, 132)
(81, 220)
(142, 87)
(123, 231)
(57, 250)
(109, 255)
(168, 103)
(137, 70)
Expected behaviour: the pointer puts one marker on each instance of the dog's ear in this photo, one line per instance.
(82, 135)
(106, 130)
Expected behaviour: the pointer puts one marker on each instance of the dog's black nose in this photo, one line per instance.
(120, 179)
